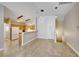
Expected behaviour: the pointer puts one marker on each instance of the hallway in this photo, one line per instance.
(39, 48)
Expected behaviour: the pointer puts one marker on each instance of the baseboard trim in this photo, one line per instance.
(28, 42)
(73, 49)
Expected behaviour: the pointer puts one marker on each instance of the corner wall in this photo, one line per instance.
(71, 28)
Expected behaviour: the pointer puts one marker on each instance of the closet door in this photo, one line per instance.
(15, 33)
(46, 27)
(52, 27)
(41, 26)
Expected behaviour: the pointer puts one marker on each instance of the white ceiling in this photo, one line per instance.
(47, 6)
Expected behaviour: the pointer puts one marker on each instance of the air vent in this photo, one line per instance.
(61, 3)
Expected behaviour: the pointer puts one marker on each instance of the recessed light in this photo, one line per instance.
(56, 7)
(42, 10)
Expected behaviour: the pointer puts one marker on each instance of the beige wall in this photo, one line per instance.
(71, 28)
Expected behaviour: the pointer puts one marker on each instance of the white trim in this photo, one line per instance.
(73, 49)
(28, 41)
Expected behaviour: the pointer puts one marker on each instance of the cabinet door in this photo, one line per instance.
(41, 27)
(15, 33)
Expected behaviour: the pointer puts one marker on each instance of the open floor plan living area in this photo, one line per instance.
(39, 29)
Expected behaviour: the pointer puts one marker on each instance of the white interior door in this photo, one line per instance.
(46, 27)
